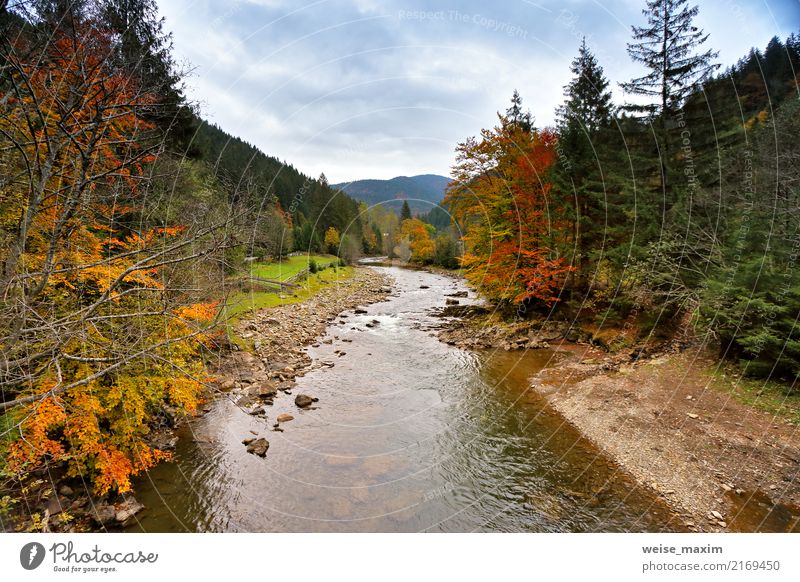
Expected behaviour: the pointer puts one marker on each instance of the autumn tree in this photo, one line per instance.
(500, 197)
(95, 339)
(332, 240)
(417, 234)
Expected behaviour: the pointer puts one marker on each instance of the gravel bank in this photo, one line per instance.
(280, 335)
(722, 465)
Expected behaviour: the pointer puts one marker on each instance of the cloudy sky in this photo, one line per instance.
(381, 88)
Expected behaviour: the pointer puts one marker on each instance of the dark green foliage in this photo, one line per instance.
(668, 47)
(254, 179)
(313, 267)
(751, 301)
(584, 128)
(438, 217)
(405, 212)
(446, 252)
(693, 208)
(516, 116)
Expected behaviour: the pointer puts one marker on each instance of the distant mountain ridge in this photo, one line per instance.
(423, 192)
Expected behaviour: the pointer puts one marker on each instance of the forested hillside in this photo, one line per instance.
(423, 192)
(681, 213)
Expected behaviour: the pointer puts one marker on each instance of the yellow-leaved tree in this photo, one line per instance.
(96, 342)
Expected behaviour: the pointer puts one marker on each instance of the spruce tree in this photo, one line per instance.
(668, 47)
(516, 116)
(583, 122)
(405, 212)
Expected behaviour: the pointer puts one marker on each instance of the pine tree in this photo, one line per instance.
(584, 116)
(668, 46)
(144, 52)
(516, 116)
(588, 102)
(405, 212)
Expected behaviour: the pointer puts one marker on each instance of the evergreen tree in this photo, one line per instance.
(516, 116)
(668, 47)
(405, 212)
(582, 121)
(588, 101)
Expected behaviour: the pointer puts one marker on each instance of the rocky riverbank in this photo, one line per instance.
(279, 338)
(674, 424)
(253, 378)
(474, 326)
(666, 414)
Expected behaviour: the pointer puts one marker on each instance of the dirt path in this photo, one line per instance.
(721, 464)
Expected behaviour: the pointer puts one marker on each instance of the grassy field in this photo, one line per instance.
(281, 271)
(240, 304)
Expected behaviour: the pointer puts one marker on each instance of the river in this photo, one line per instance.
(409, 435)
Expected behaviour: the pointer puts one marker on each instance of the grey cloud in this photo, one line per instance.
(364, 88)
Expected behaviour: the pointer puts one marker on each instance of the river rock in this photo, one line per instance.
(66, 490)
(248, 440)
(360, 311)
(451, 302)
(304, 400)
(127, 509)
(54, 505)
(103, 513)
(458, 294)
(258, 447)
(266, 390)
(246, 401)
(285, 417)
(79, 503)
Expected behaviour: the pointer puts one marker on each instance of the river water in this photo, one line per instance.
(409, 435)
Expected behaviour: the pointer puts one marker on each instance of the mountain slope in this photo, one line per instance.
(249, 172)
(422, 192)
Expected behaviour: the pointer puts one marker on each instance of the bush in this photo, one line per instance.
(312, 266)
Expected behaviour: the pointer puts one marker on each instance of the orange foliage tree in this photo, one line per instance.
(95, 343)
(500, 196)
(418, 235)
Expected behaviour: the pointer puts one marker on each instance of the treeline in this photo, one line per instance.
(288, 211)
(680, 209)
